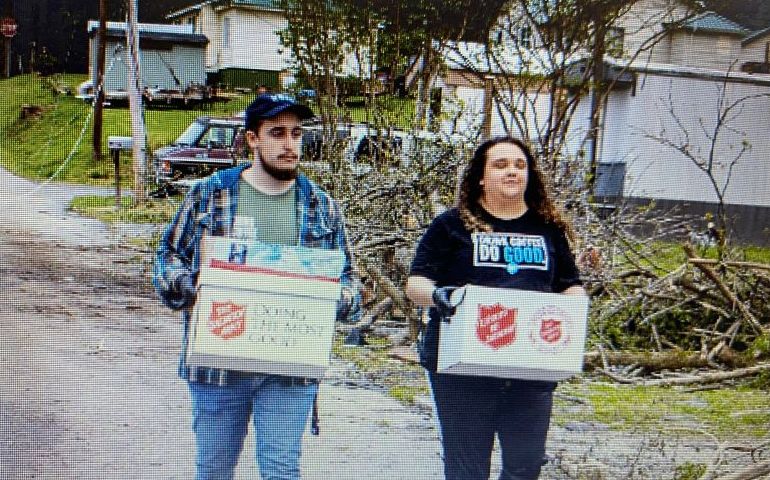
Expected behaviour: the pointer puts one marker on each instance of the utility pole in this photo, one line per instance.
(134, 88)
(8, 29)
(99, 86)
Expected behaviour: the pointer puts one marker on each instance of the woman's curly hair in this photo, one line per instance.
(535, 196)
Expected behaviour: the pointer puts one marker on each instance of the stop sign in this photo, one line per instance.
(8, 27)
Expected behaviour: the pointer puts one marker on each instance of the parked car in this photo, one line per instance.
(208, 144)
(211, 143)
(364, 146)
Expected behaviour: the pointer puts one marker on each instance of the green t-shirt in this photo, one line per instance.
(267, 218)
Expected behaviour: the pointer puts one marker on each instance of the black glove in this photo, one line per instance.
(441, 301)
(343, 305)
(184, 286)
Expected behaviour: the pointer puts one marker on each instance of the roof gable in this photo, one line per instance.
(258, 4)
(755, 36)
(712, 22)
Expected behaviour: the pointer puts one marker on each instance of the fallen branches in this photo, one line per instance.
(729, 295)
(710, 261)
(749, 473)
(700, 379)
(657, 361)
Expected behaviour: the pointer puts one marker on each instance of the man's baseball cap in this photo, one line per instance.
(268, 105)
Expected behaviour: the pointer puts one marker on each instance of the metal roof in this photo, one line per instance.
(271, 4)
(262, 4)
(755, 35)
(712, 22)
(152, 31)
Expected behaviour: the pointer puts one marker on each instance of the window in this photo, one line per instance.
(525, 37)
(614, 41)
(226, 32)
(217, 137)
(194, 22)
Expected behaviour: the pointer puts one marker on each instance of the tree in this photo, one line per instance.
(724, 143)
(549, 59)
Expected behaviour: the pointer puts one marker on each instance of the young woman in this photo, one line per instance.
(502, 201)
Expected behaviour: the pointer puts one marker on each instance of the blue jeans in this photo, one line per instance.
(279, 408)
(471, 410)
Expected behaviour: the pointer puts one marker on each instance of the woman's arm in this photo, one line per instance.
(419, 289)
(575, 290)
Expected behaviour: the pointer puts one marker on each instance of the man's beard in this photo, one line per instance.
(278, 173)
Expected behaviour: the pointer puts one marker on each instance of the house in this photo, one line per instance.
(707, 40)
(670, 98)
(245, 48)
(755, 52)
(171, 58)
(685, 136)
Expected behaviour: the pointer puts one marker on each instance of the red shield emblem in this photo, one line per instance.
(227, 320)
(496, 325)
(551, 330)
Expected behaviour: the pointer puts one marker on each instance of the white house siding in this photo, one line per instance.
(654, 170)
(756, 50)
(709, 51)
(253, 41)
(116, 63)
(185, 61)
(644, 20)
(463, 107)
(189, 65)
(210, 27)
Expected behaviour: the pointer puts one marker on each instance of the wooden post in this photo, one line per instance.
(134, 88)
(99, 85)
(116, 161)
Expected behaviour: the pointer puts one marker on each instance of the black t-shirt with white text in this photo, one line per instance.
(523, 253)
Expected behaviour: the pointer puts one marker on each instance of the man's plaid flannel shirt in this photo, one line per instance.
(210, 208)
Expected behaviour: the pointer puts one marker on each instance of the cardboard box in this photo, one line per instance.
(511, 333)
(265, 308)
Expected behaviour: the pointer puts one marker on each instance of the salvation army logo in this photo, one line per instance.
(550, 329)
(227, 320)
(496, 325)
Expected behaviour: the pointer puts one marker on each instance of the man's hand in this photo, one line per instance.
(442, 303)
(183, 286)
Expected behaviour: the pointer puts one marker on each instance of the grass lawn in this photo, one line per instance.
(51, 144)
(726, 412)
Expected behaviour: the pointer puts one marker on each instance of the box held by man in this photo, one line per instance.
(265, 308)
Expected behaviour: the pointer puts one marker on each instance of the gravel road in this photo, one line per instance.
(88, 386)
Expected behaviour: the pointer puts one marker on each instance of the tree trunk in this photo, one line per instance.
(597, 100)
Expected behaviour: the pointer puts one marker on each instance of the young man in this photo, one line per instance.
(267, 200)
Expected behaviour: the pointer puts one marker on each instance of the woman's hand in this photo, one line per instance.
(442, 302)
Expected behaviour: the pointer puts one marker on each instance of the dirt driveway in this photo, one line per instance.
(88, 388)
